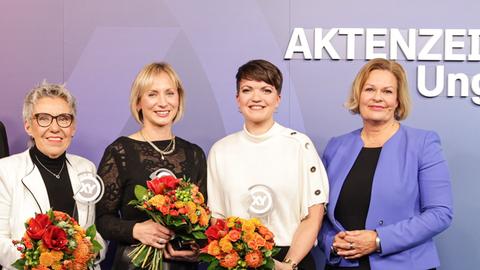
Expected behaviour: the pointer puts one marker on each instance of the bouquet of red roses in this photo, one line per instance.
(236, 243)
(55, 241)
(176, 204)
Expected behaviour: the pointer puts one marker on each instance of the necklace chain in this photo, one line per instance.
(166, 151)
(54, 174)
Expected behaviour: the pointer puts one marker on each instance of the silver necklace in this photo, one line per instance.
(54, 174)
(167, 150)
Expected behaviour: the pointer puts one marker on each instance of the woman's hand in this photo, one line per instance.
(181, 255)
(355, 244)
(282, 266)
(152, 234)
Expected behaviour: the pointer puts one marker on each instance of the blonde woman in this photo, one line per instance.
(157, 102)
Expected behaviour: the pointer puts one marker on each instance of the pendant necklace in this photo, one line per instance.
(54, 174)
(167, 150)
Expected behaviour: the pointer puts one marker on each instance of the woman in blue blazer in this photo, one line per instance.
(390, 190)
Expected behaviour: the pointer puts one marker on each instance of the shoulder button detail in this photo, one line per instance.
(317, 192)
(307, 145)
(293, 133)
(313, 169)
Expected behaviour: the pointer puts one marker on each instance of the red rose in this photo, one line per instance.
(37, 226)
(158, 185)
(170, 181)
(216, 231)
(55, 238)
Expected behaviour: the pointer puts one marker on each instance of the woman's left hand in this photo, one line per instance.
(181, 255)
(360, 243)
(282, 266)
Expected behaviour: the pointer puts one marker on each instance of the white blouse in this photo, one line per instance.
(275, 176)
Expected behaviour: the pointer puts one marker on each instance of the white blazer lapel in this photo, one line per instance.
(82, 209)
(33, 184)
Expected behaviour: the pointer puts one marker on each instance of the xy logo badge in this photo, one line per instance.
(262, 198)
(91, 188)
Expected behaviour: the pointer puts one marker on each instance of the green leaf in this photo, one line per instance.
(50, 214)
(140, 191)
(206, 257)
(199, 235)
(19, 264)
(270, 264)
(178, 223)
(92, 231)
(96, 246)
(275, 250)
(133, 202)
(213, 265)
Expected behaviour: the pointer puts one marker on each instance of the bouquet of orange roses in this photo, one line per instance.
(237, 243)
(176, 204)
(55, 241)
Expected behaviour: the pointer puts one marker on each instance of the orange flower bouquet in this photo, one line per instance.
(176, 204)
(237, 243)
(55, 241)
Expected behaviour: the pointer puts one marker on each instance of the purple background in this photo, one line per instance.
(97, 47)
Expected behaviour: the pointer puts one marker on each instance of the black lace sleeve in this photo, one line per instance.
(108, 221)
(199, 174)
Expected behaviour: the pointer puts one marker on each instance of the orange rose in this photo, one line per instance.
(230, 260)
(254, 259)
(234, 235)
(82, 253)
(225, 245)
(260, 240)
(213, 248)
(204, 217)
(252, 244)
(269, 245)
(50, 258)
(263, 230)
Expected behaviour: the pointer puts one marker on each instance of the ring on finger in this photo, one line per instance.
(351, 246)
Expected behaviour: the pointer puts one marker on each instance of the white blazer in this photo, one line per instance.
(23, 193)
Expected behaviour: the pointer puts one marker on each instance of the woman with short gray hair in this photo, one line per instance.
(44, 176)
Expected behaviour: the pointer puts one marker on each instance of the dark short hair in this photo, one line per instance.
(260, 70)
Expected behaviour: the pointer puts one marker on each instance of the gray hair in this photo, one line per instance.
(46, 89)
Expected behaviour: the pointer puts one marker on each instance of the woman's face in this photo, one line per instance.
(378, 97)
(51, 140)
(159, 103)
(257, 101)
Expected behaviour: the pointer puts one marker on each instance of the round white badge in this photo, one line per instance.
(161, 172)
(261, 200)
(91, 188)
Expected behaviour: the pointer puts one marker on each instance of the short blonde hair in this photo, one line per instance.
(51, 90)
(144, 80)
(403, 95)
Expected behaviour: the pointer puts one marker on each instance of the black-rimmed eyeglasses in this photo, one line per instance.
(64, 120)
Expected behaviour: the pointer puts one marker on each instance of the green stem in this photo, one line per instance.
(140, 249)
(146, 257)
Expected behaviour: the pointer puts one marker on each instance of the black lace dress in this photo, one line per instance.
(126, 163)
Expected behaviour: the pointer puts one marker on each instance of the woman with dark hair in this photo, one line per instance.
(269, 171)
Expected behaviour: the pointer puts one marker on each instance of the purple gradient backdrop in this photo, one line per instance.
(97, 47)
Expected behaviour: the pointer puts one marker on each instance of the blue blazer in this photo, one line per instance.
(411, 198)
